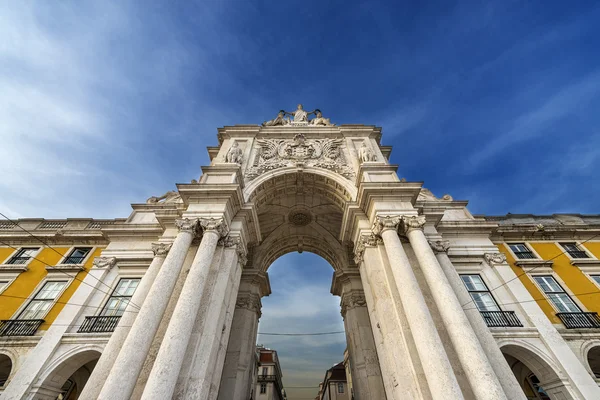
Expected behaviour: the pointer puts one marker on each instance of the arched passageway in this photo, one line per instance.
(537, 378)
(5, 369)
(593, 359)
(66, 381)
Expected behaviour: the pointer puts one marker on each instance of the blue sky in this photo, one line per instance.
(106, 103)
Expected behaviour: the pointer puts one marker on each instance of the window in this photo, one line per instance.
(77, 255)
(594, 277)
(480, 293)
(340, 387)
(265, 371)
(3, 285)
(43, 300)
(23, 256)
(263, 388)
(521, 251)
(573, 250)
(561, 300)
(118, 301)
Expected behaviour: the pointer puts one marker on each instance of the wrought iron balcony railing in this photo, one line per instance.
(577, 254)
(19, 327)
(73, 260)
(99, 324)
(574, 320)
(497, 319)
(19, 260)
(525, 255)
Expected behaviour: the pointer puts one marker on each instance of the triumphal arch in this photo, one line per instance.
(300, 183)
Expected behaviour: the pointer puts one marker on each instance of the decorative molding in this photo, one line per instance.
(439, 246)
(495, 258)
(249, 301)
(186, 225)
(352, 299)
(363, 242)
(13, 268)
(410, 223)
(534, 263)
(279, 153)
(104, 262)
(65, 268)
(161, 249)
(586, 262)
(216, 225)
(383, 223)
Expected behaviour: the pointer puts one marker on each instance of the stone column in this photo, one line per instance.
(123, 376)
(163, 377)
(507, 379)
(93, 386)
(239, 361)
(366, 374)
(440, 376)
(481, 376)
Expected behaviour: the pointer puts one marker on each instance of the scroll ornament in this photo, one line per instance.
(494, 258)
(104, 262)
(161, 249)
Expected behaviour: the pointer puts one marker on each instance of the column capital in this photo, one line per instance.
(216, 225)
(235, 241)
(161, 249)
(352, 299)
(249, 301)
(385, 222)
(186, 225)
(104, 262)
(363, 242)
(413, 222)
(439, 246)
(494, 258)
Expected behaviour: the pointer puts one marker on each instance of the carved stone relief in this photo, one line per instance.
(279, 153)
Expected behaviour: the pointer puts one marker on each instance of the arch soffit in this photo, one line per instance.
(342, 188)
(86, 352)
(536, 359)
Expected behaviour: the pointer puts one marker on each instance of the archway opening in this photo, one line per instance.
(593, 358)
(68, 379)
(5, 369)
(533, 373)
(301, 303)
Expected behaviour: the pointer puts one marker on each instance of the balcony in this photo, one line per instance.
(577, 254)
(19, 327)
(501, 319)
(99, 324)
(525, 255)
(574, 320)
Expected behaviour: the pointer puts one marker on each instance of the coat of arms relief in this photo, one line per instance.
(279, 153)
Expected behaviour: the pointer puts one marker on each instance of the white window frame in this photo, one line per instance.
(340, 385)
(593, 277)
(34, 292)
(528, 246)
(579, 245)
(71, 250)
(563, 286)
(262, 385)
(477, 291)
(9, 278)
(14, 253)
(111, 293)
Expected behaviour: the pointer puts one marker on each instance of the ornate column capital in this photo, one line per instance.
(383, 223)
(363, 242)
(439, 246)
(235, 241)
(161, 249)
(494, 258)
(216, 225)
(413, 222)
(104, 262)
(249, 301)
(186, 225)
(352, 299)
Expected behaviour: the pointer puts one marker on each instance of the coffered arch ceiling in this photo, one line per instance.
(300, 211)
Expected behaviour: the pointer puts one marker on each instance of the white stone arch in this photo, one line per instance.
(535, 358)
(587, 347)
(8, 364)
(56, 373)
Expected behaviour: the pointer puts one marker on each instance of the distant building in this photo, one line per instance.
(348, 368)
(335, 384)
(268, 383)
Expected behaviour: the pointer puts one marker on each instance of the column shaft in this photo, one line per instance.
(111, 350)
(440, 376)
(123, 376)
(165, 371)
(482, 332)
(481, 376)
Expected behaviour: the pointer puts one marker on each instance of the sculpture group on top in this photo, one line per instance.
(300, 118)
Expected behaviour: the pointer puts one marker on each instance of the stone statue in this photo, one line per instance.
(280, 120)
(319, 120)
(235, 154)
(366, 154)
(170, 197)
(300, 115)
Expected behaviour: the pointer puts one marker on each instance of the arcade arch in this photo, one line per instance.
(68, 376)
(5, 369)
(593, 359)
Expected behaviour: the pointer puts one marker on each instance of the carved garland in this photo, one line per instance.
(235, 241)
(351, 300)
(364, 242)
